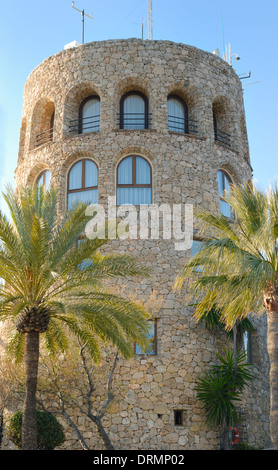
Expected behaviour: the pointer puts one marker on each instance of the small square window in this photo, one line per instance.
(178, 417)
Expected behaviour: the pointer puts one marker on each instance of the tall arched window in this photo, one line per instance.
(224, 183)
(44, 180)
(89, 115)
(177, 114)
(134, 181)
(134, 113)
(222, 123)
(83, 183)
(43, 123)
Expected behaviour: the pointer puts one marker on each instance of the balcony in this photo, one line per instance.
(134, 120)
(222, 137)
(44, 137)
(87, 124)
(182, 125)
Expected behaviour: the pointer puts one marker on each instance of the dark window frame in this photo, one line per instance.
(146, 110)
(186, 113)
(178, 417)
(80, 113)
(223, 174)
(42, 174)
(83, 187)
(51, 125)
(134, 184)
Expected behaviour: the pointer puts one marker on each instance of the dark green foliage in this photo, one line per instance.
(221, 387)
(50, 433)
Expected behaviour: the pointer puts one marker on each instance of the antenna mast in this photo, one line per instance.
(83, 14)
(150, 14)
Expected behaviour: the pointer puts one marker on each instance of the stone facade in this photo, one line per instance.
(184, 170)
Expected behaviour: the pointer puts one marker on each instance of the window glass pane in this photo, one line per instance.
(150, 349)
(89, 196)
(247, 344)
(195, 247)
(176, 115)
(40, 180)
(227, 184)
(125, 171)
(134, 112)
(134, 196)
(44, 180)
(220, 183)
(47, 180)
(91, 174)
(225, 208)
(143, 171)
(91, 115)
(75, 176)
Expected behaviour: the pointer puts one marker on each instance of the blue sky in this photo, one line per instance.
(31, 31)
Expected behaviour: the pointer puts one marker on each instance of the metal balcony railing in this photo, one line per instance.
(222, 137)
(134, 120)
(44, 137)
(180, 124)
(87, 124)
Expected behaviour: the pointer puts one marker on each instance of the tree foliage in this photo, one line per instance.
(50, 432)
(238, 259)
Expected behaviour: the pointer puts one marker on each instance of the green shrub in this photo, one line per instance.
(50, 432)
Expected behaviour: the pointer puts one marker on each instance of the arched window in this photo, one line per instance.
(89, 115)
(43, 123)
(177, 114)
(222, 121)
(134, 181)
(51, 125)
(134, 113)
(224, 183)
(83, 183)
(44, 180)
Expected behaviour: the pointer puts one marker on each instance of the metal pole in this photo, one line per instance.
(150, 11)
(82, 26)
(83, 14)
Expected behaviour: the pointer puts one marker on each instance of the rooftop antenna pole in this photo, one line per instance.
(150, 11)
(83, 14)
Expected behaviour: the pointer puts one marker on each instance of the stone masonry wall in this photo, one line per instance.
(184, 170)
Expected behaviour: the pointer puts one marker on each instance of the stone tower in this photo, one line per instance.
(148, 122)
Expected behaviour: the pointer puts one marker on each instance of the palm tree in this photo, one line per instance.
(238, 269)
(53, 284)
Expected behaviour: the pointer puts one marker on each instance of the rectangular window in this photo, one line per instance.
(247, 344)
(151, 348)
(178, 417)
(195, 247)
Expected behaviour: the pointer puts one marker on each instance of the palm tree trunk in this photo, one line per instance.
(272, 347)
(29, 418)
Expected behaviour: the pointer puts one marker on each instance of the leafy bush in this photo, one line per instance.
(50, 432)
(222, 386)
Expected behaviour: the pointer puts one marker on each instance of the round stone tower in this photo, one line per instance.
(148, 122)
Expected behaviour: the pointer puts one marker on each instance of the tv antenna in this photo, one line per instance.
(83, 15)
